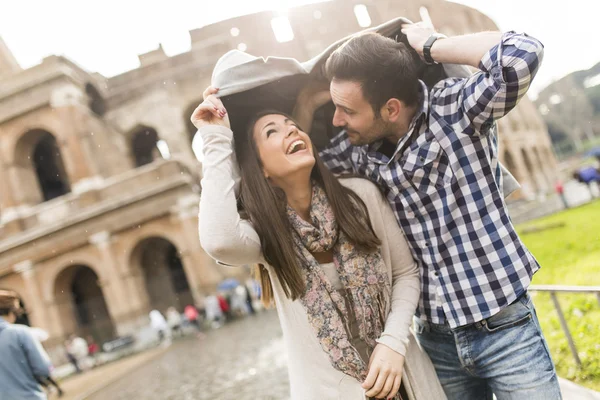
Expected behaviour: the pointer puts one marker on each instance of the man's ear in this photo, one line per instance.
(392, 109)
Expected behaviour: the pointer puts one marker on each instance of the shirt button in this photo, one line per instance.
(427, 244)
(436, 274)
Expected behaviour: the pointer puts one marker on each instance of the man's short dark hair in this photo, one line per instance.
(7, 302)
(384, 68)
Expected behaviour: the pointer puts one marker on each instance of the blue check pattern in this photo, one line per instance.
(445, 187)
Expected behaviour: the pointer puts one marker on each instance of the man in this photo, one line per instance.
(23, 361)
(435, 154)
(78, 347)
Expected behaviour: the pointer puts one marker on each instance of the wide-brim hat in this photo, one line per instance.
(248, 84)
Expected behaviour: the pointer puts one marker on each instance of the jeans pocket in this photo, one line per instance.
(513, 315)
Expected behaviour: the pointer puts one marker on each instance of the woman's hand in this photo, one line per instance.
(385, 373)
(211, 111)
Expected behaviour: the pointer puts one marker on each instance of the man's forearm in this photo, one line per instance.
(466, 49)
(304, 116)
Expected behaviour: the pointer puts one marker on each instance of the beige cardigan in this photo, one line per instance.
(233, 241)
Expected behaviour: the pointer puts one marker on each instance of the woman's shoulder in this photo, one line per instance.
(368, 191)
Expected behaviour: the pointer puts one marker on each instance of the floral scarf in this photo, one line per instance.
(363, 276)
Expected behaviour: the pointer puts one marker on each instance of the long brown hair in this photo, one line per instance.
(265, 206)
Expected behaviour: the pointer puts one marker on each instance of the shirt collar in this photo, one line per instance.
(421, 114)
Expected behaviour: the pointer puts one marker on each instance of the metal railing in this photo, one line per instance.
(553, 290)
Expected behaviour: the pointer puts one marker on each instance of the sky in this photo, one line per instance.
(108, 37)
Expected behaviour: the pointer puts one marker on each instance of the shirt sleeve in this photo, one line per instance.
(507, 71)
(406, 284)
(36, 355)
(337, 156)
(224, 235)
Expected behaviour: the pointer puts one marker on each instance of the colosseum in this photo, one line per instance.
(99, 187)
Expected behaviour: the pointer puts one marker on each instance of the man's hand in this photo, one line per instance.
(211, 111)
(418, 33)
(312, 96)
(465, 49)
(385, 373)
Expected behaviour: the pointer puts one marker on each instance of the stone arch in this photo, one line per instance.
(143, 144)
(81, 304)
(159, 261)
(40, 167)
(51, 270)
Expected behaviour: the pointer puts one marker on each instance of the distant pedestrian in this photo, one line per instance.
(174, 321)
(237, 302)
(560, 189)
(224, 305)
(159, 324)
(587, 175)
(93, 350)
(23, 361)
(71, 357)
(78, 346)
(249, 286)
(214, 313)
(192, 315)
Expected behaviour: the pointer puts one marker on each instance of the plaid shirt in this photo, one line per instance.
(445, 187)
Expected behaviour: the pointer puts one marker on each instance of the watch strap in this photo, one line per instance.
(427, 48)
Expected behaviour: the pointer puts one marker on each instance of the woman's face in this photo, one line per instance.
(283, 148)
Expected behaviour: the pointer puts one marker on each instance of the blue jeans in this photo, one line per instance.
(505, 354)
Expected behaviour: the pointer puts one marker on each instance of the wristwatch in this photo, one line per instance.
(427, 47)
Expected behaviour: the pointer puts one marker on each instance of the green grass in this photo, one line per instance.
(570, 255)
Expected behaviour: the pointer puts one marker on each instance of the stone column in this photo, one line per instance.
(202, 271)
(22, 181)
(6, 192)
(124, 300)
(11, 209)
(55, 328)
(524, 175)
(69, 105)
(35, 303)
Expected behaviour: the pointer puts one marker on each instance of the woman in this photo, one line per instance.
(330, 256)
(159, 324)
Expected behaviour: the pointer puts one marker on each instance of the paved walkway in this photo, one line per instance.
(244, 360)
(80, 386)
(576, 194)
(241, 361)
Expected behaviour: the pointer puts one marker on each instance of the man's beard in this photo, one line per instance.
(379, 130)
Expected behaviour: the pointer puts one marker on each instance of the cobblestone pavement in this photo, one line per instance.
(243, 360)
